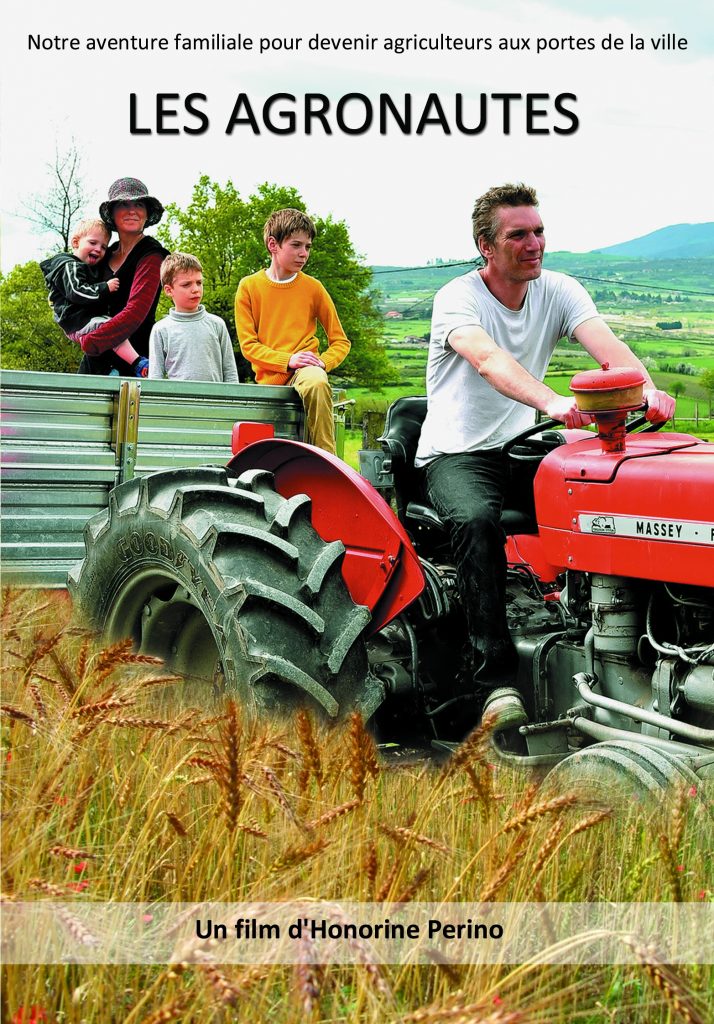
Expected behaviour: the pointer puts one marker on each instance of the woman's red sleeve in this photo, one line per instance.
(141, 298)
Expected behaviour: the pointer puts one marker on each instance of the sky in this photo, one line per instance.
(640, 159)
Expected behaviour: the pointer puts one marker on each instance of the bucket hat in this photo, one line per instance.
(130, 189)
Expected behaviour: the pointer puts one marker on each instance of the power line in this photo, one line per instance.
(429, 266)
(635, 284)
(578, 277)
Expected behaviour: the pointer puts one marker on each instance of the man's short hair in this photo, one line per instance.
(283, 223)
(84, 227)
(485, 215)
(177, 263)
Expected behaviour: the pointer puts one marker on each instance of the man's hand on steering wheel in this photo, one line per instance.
(660, 405)
(564, 409)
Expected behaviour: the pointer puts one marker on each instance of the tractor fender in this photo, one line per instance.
(381, 568)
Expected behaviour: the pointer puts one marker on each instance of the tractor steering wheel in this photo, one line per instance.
(639, 421)
(536, 448)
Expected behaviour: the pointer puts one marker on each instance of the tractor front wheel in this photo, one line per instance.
(620, 772)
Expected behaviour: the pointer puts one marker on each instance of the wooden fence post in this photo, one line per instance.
(372, 427)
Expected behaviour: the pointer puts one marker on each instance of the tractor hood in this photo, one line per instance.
(646, 512)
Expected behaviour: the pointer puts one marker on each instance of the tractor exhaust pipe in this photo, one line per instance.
(704, 737)
(506, 706)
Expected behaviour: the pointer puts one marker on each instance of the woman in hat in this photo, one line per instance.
(135, 259)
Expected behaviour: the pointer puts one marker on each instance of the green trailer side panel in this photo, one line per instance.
(59, 453)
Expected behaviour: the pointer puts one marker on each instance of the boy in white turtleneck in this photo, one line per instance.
(189, 343)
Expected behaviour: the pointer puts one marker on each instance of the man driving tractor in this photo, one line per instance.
(493, 333)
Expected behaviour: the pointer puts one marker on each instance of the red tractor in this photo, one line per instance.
(287, 577)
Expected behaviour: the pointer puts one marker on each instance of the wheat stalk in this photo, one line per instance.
(281, 795)
(333, 814)
(452, 971)
(229, 776)
(364, 957)
(412, 887)
(370, 868)
(168, 1012)
(149, 681)
(202, 761)
(679, 819)
(42, 648)
(65, 695)
(311, 751)
(176, 824)
(670, 864)
(547, 846)
(386, 886)
(201, 780)
(82, 658)
(254, 829)
(504, 872)
(635, 876)
(70, 853)
(128, 722)
(18, 715)
(294, 855)
(474, 748)
(554, 806)
(79, 932)
(407, 835)
(291, 754)
(481, 780)
(461, 1013)
(309, 976)
(665, 980)
(38, 700)
(48, 887)
(589, 821)
(102, 707)
(363, 756)
(228, 994)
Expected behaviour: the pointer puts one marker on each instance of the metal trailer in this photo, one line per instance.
(68, 440)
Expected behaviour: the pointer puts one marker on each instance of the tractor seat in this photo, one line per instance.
(512, 520)
(399, 441)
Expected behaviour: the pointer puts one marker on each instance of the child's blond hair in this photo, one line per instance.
(176, 263)
(89, 224)
(283, 223)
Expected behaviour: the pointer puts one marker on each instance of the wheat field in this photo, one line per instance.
(123, 783)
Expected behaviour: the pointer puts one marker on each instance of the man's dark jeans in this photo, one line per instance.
(468, 492)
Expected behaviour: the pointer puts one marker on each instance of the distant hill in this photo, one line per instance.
(676, 242)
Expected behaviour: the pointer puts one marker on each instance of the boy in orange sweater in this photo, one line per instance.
(277, 311)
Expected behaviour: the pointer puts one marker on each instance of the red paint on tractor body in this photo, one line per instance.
(526, 549)
(248, 432)
(380, 567)
(645, 512)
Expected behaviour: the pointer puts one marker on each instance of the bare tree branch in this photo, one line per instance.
(55, 211)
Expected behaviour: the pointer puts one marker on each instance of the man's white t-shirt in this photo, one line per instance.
(465, 413)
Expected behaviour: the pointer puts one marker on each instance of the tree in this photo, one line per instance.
(225, 232)
(31, 340)
(677, 389)
(706, 379)
(55, 212)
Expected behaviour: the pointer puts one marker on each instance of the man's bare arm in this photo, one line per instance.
(598, 340)
(506, 375)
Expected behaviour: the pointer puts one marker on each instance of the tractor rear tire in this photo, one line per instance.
(619, 773)
(229, 583)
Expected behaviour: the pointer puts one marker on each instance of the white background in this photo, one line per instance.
(641, 159)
